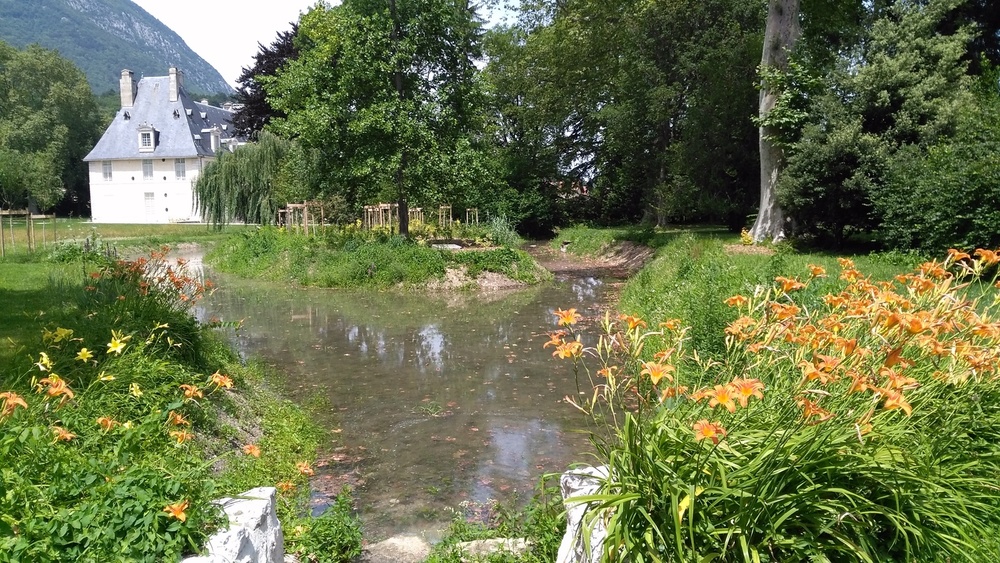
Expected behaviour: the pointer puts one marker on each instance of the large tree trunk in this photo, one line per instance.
(780, 34)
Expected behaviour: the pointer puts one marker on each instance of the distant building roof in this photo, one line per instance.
(182, 128)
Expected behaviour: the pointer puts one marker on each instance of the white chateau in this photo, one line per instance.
(144, 167)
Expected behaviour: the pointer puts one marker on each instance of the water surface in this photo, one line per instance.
(431, 400)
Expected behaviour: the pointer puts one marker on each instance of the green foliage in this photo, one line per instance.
(333, 537)
(692, 276)
(515, 264)
(645, 104)
(244, 185)
(110, 457)
(349, 257)
(823, 431)
(50, 123)
(941, 196)
(387, 98)
(542, 521)
(501, 232)
(885, 146)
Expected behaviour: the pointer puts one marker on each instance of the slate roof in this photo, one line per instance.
(178, 125)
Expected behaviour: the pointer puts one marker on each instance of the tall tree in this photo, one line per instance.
(781, 32)
(634, 98)
(256, 111)
(245, 185)
(387, 93)
(49, 123)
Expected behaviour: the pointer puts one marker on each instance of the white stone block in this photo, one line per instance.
(582, 544)
(253, 535)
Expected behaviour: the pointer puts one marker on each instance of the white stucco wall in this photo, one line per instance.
(123, 198)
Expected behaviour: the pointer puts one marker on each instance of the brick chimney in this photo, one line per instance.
(176, 83)
(128, 88)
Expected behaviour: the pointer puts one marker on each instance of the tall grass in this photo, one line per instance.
(846, 419)
(349, 258)
(693, 274)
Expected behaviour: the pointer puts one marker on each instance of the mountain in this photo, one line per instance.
(104, 36)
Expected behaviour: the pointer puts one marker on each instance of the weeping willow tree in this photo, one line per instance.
(243, 185)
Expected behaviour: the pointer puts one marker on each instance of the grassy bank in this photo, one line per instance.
(694, 273)
(121, 418)
(353, 258)
(787, 406)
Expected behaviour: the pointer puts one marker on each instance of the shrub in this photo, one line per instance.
(333, 537)
(863, 428)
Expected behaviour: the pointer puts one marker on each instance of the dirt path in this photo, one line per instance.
(620, 262)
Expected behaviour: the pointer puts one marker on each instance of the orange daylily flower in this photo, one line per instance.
(670, 392)
(285, 486)
(569, 349)
(304, 468)
(671, 324)
(789, 284)
(738, 327)
(816, 271)
(987, 257)
(850, 275)
(181, 435)
(57, 387)
(782, 312)
(895, 400)
(177, 419)
(657, 371)
(609, 371)
(722, 395)
(11, 401)
(746, 388)
(836, 301)
(737, 301)
(811, 410)
(933, 269)
(632, 321)
(859, 382)
(568, 317)
(701, 394)
(703, 429)
(176, 510)
(957, 255)
(251, 449)
(191, 391)
(220, 380)
(62, 435)
(898, 380)
(895, 357)
(107, 423)
(663, 355)
(846, 263)
(555, 338)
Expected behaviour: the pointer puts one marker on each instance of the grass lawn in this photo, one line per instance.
(49, 232)
(29, 293)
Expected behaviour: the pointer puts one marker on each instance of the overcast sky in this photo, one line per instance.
(226, 33)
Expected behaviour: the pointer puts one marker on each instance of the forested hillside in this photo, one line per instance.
(104, 36)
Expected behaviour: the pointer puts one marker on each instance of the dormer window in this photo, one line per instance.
(147, 138)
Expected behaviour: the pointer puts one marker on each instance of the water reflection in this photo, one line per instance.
(440, 400)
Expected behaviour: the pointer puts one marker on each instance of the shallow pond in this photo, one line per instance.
(432, 400)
